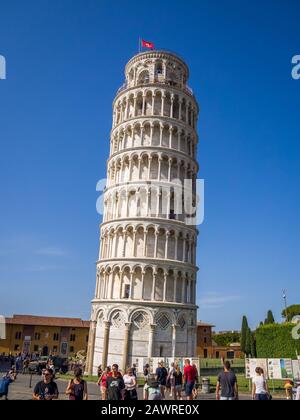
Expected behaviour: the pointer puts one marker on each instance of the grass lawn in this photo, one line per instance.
(244, 385)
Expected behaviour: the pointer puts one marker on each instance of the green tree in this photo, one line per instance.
(253, 346)
(292, 311)
(248, 342)
(225, 339)
(270, 318)
(245, 328)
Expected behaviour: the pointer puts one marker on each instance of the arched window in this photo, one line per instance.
(159, 69)
(144, 77)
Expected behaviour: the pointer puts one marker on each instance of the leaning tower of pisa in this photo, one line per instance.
(145, 298)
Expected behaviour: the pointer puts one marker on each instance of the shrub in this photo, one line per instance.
(276, 341)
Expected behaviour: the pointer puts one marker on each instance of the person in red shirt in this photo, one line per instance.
(189, 375)
(102, 382)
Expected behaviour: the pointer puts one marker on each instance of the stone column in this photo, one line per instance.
(155, 244)
(161, 135)
(168, 205)
(127, 202)
(163, 97)
(159, 168)
(127, 109)
(153, 103)
(105, 343)
(174, 333)
(91, 348)
(170, 169)
(149, 167)
(172, 105)
(165, 287)
(185, 172)
(151, 341)
(148, 201)
(180, 108)
(139, 167)
(176, 246)
(130, 169)
(175, 286)
(144, 104)
(134, 106)
(171, 137)
(101, 253)
(167, 245)
(126, 347)
(145, 243)
(134, 242)
(183, 291)
(151, 134)
(131, 284)
(142, 136)
(158, 204)
(121, 285)
(124, 243)
(178, 169)
(189, 290)
(143, 282)
(116, 245)
(183, 251)
(153, 286)
(111, 275)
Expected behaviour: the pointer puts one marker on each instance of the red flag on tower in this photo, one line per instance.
(147, 44)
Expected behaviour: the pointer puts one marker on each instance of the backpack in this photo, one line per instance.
(154, 394)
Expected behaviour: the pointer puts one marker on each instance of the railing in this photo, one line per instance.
(185, 88)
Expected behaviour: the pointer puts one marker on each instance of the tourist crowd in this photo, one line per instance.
(172, 383)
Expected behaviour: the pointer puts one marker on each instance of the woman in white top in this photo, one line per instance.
(171, 379)
(130, 386)
(260, 391)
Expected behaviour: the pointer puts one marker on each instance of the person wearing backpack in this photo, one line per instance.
(77, 387)
(4, 385)
(115, 385)
(161, 378)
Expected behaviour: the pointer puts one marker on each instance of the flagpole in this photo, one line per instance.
(139, 44)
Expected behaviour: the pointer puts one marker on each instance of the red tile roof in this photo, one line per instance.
(204, 324)
(47, 321)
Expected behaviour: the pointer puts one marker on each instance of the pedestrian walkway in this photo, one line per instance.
(20, 390)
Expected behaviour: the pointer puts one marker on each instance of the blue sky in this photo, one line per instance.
(65, 61)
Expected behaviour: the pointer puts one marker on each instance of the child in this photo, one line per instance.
(289, 390)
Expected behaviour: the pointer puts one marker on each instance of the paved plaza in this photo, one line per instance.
(21, 390)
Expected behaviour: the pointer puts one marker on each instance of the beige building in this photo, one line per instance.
(145, 298)
(44, 335)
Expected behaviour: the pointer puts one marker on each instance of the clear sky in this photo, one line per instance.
(65, 61)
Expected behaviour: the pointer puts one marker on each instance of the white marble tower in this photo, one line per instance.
(145, 298)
